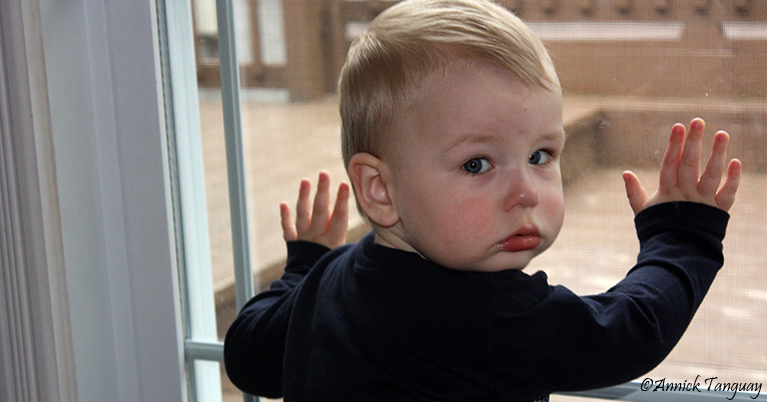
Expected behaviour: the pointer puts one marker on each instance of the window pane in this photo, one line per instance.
(629, 70)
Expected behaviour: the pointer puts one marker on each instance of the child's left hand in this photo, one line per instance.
(317, 224)
(680, 177)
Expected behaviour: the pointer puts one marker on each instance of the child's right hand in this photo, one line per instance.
(317, 224)
(680, 177)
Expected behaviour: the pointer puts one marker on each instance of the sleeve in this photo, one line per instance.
(255, 342)
(614, 337)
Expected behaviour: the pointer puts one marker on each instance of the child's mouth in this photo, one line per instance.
(523, 240)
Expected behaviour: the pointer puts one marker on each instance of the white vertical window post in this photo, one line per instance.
(181, 92)
(230, 96)
(201, 347)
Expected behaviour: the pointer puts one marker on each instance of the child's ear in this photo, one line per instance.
(370, 177)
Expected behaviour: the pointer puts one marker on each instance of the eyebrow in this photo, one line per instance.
(555, 135)
(559, 135)
(470, 139)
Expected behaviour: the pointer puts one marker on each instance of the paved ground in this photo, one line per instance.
(728, 337)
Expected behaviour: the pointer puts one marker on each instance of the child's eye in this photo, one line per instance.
(477, 166)
(539, 157)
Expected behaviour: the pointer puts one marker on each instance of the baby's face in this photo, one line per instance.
(478, 184)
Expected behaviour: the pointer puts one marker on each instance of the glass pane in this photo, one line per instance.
(206, 29)
(629, 70)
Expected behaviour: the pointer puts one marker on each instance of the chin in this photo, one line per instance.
(501, 266)
(518, 262)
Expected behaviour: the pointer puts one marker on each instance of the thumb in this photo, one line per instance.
(634, 191)
(288, 226)
(339, 220)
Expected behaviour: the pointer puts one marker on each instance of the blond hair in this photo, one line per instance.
(411, 39)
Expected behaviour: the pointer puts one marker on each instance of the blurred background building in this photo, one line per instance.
(600, 47)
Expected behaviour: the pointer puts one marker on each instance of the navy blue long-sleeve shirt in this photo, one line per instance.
(365, 322)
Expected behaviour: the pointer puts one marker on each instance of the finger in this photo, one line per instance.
(303, 213)
(288, 226)
(725, 197)
(712, 175)
(635, 192)
(339, 220)
(689, 165)
(670, 165)
(320, 212)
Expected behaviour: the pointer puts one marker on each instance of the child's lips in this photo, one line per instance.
(522, 240)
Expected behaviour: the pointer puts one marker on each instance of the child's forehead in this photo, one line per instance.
(455, 83)
(443, 77)
(472, 96)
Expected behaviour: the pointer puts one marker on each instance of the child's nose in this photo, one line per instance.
(522, 191)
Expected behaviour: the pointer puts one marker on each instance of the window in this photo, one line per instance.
(629, 70)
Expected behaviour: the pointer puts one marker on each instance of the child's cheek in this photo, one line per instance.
(474, 217)
(552, 204)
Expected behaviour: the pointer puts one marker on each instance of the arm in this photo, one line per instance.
(680, 229)
(606, 339)
(681, 248)
(613, 337)
(255, 342)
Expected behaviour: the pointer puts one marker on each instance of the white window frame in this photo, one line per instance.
(202, 348)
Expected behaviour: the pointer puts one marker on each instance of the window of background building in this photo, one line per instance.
(629, 71)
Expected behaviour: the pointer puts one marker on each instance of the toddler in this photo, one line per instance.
(452, 138)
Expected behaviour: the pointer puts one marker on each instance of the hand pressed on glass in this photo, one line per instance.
(680, 177)
(317, 224)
